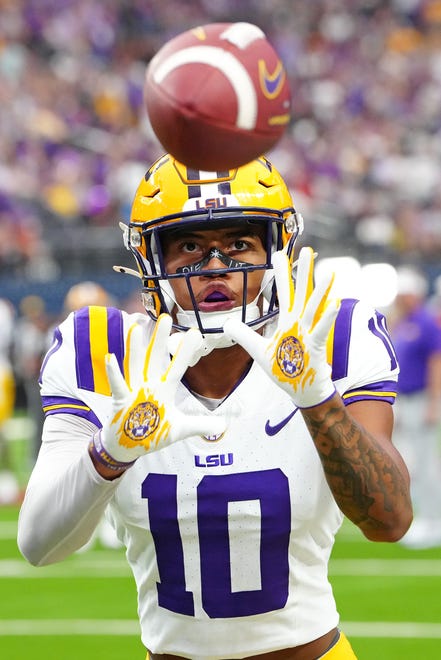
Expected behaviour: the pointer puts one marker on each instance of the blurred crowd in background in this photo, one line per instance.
(362, 155)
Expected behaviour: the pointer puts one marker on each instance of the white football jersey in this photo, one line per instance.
(228, 537)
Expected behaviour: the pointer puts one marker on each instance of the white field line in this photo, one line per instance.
(18, 428)
(97, 564)
(118, 627)
(54, 627)
(390, 567)
(389, 629)
(8, 530)
(105, 564)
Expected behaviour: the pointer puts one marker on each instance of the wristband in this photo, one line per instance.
(100, 453)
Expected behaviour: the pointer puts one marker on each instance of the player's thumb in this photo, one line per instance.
(206, 425)
(186, 352)
(245, 336)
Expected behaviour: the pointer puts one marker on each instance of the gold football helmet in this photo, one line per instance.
(172, 195)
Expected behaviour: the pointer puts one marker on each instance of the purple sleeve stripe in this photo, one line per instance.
(385, 390)
(379, 386)
(83, 358)
(57, 405)
(115, 335)
(342, 336)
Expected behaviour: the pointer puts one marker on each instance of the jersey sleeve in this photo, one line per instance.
(73, 377)
(364, 363)
(65, 494)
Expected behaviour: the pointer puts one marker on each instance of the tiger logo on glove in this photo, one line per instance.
(143, 421)
(290, 357)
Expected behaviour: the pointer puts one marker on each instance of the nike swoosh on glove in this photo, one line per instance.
(144, 416)
(295, 356)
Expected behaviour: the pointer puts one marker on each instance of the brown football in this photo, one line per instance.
(218, 96)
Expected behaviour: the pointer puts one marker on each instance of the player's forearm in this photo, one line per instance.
(369, 482)
(61, 511)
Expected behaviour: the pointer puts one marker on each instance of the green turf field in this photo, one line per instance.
(389, 600)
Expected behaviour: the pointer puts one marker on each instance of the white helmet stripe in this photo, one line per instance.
(232, 69)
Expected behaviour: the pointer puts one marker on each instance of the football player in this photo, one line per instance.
(227, 431)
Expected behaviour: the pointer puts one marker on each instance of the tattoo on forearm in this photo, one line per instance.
(366, 483)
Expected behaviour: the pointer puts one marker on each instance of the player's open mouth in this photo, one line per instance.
(216, 301)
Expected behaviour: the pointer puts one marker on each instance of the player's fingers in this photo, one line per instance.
(249, 339)
(284, 283)
(184, 356)
(324, 324)
(134, 358)
(304, 280)
(118, 385)
(157, 355)
(318, 301)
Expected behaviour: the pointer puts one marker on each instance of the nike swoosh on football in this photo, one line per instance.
(273, 430)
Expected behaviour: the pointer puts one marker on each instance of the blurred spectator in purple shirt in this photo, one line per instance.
(417, 338)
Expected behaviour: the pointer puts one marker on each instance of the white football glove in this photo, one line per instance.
(144, 417)
(295, 356)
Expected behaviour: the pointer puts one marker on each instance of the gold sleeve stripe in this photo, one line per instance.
(64, 405)
(381, 395)
(99, 347)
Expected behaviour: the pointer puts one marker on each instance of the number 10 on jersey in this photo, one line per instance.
(214, 494)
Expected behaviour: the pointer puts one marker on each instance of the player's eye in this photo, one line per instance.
(190, 247)
(240, 244)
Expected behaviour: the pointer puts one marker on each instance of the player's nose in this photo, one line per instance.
(215, 260)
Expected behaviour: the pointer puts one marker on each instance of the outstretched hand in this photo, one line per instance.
(295, 356)
(144, 416)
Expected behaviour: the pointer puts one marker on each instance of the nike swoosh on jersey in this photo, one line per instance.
(273, 430)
